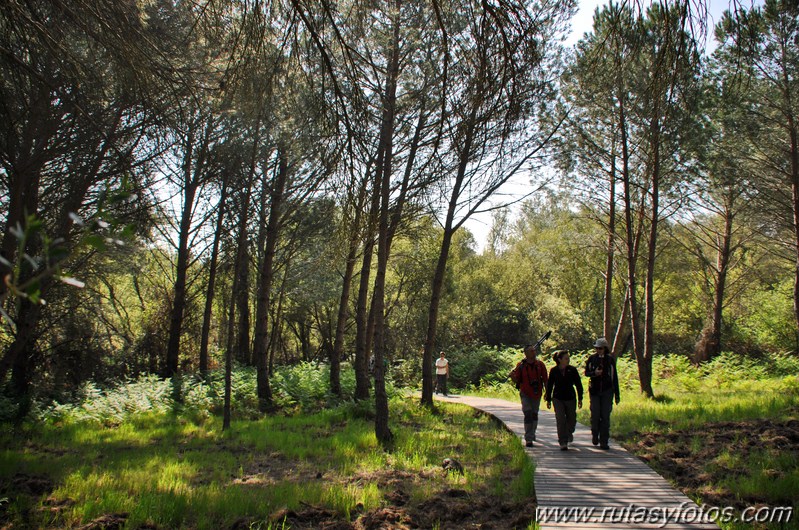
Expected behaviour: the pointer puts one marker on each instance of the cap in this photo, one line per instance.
(601, 343)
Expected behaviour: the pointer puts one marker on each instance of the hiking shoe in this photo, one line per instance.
(564, 448)
(529, 444)
(604, 447)
(595, 439)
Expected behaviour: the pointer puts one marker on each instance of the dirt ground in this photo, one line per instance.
(690, 458)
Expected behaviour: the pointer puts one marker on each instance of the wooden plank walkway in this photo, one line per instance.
(587, 487)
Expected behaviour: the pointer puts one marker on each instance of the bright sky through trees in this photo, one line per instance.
(480, 224)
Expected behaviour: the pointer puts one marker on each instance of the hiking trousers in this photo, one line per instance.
(441, 383)
(565, 418)
(530, 410)
(601, 405)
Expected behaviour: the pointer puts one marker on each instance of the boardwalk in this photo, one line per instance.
(586, 487)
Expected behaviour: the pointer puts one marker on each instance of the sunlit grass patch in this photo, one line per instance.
(678, 410)
(164, 471)
(770, 476)
(344, 498)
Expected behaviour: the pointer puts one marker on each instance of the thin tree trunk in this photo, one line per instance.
(794, 154)
(609, 265)
(709, 344)
(23, 200)
(231, 324)
(645, 362)
(277, 320)
(178, 306)
(265, 278)
(621, 326)
(441, 265)
(382, 185)
(241, 285)
(361, 323)
(21, 352)
(190, 185)
(362, 310)
(631, 244)
(209, 294)
(337, 350)
(346, 287)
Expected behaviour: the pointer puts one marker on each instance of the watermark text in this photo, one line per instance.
(661, 516)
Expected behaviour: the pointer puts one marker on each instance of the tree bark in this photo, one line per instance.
(209, 293)
(231, 323)
(241, 284)
(265, 278)
(383, 185)
(361, 309)
(607, 306)
(632, 253)
(645, 360)
(192, 176)
(443, 256)
(794, 155)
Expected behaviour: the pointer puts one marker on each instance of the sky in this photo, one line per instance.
(582, 22)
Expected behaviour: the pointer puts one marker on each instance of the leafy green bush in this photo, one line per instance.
(482, 365)
(784, 364)
(503, 324)
(305, 386)
(147, 394)
(406, 373)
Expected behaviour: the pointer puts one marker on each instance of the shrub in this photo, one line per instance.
(305, 386)
(482, 365)
(145, 394)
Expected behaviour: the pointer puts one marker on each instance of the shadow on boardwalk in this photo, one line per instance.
(587, 487)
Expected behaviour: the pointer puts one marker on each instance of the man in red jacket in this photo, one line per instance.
(530, 376)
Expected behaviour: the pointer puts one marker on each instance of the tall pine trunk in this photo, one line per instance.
(632, 254)
(362, 310)
(794, 155)
(265, 278)
(209, 292)
(443, 255)
(346, 285)
(607, 305)
(709, 344)
(645, 360)
(382, 186)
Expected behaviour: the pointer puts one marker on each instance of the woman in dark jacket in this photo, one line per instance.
(561, 384)
(603, 389)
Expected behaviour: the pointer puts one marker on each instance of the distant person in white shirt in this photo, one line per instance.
(442, 372)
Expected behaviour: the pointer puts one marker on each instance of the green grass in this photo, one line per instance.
(693, 408)
(739, 474)
(680, 410)
(165, 471)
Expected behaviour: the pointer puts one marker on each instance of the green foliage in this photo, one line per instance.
(144, 395)
(725, 391)
(481, 365)
(726, 371)
(170, 472)
(307, 385)
(767, 318)
(303, 386)
(503, 324)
